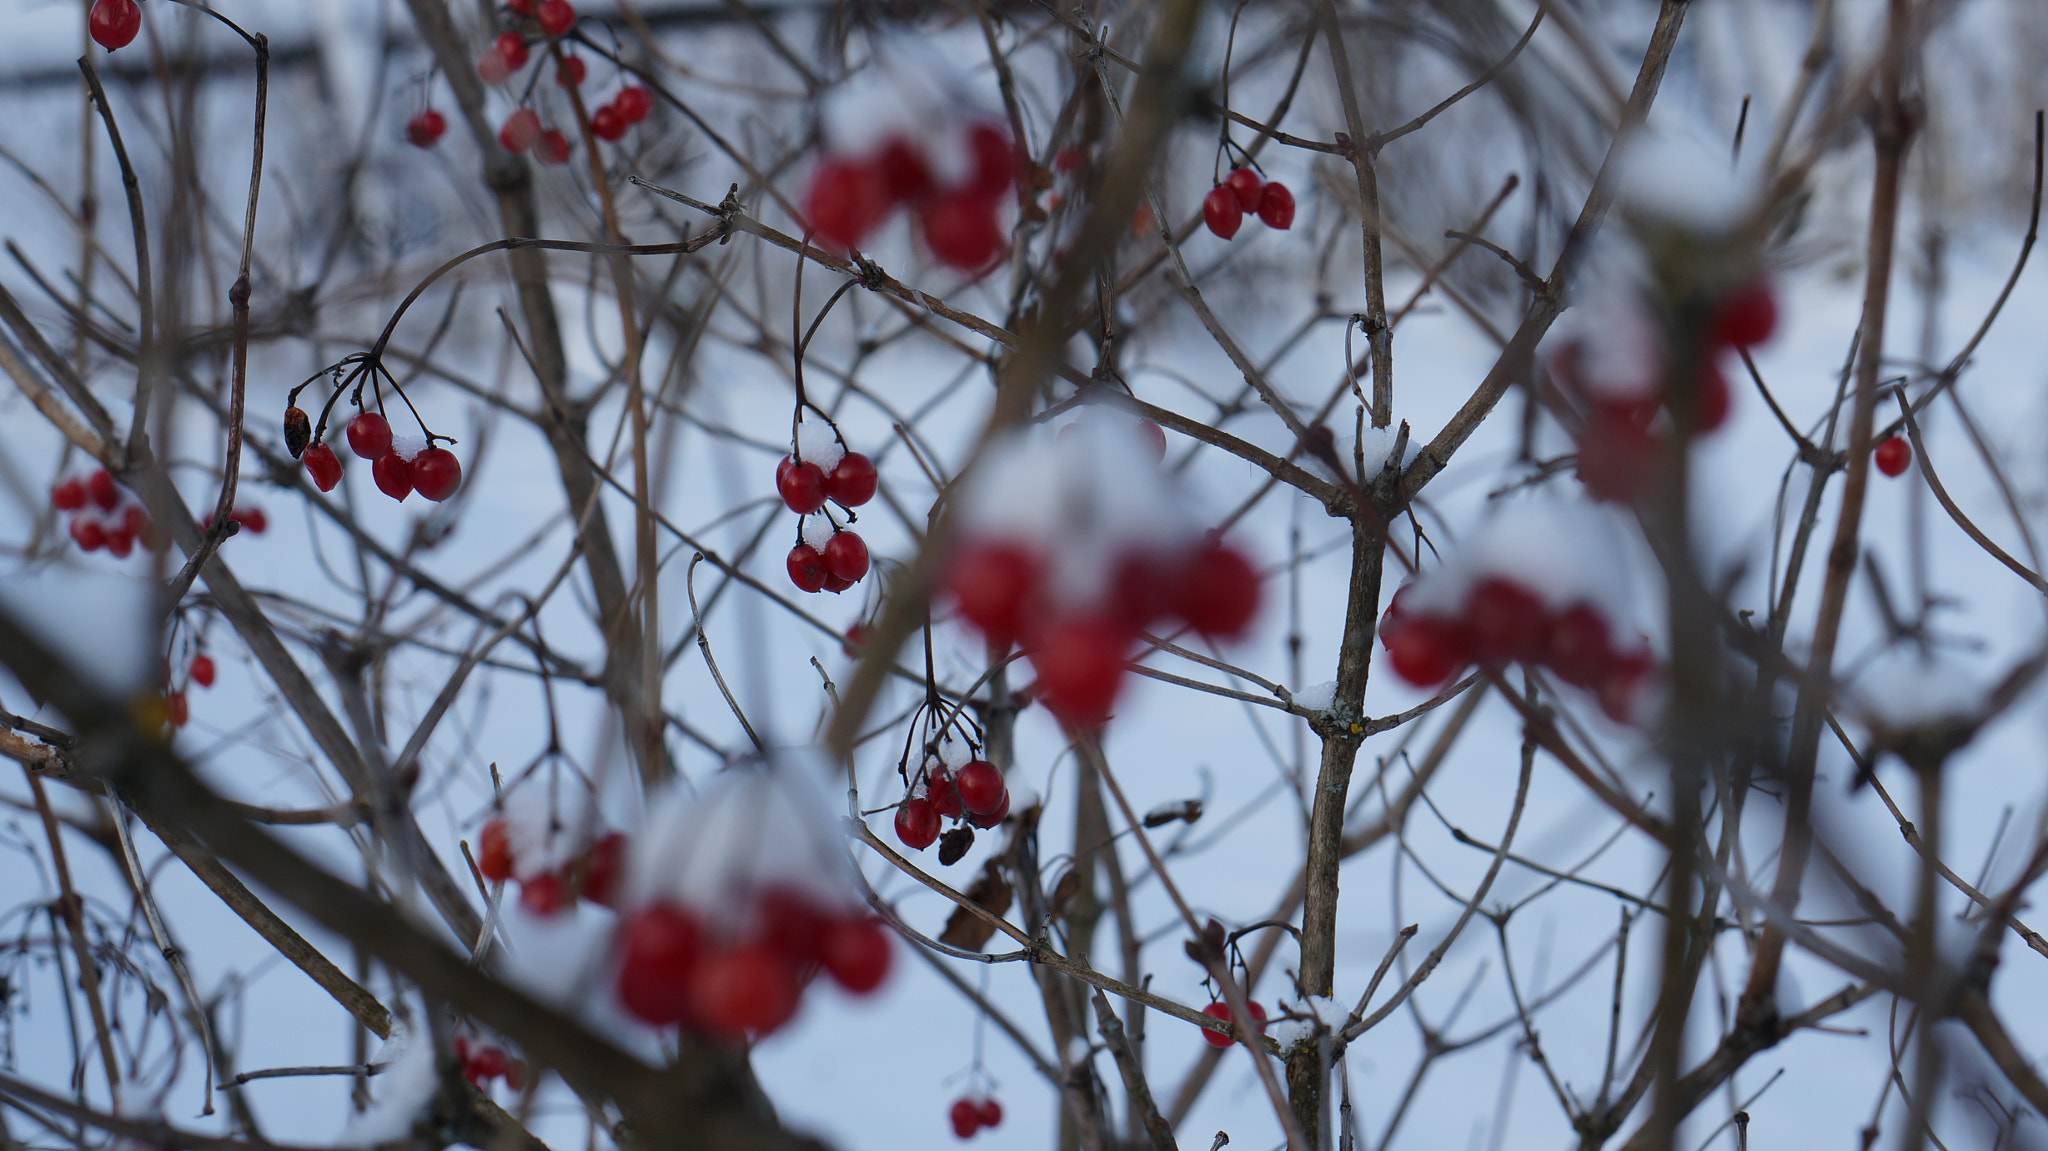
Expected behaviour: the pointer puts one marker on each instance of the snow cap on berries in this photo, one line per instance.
(548, 823)
(914, 93)
(1680, 180)
(816, 444)
(1563, 551)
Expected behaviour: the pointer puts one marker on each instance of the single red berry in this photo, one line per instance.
(1425, 650)
(68, 496)
(981, 786)
(135, 523)
(965, 1117)
(494, 851)
(995, 160)
(120, 542)
(847, 200)
(176, 708)
(1248, 186)
(746, 990)
(1623, 685)
(1746, 317)
(555, 16)
(1069, 160)
(114, 23)
(607, 124)
(1154, 437)
(962, 231)
(994, 584)
(1893, 456)
(846, 556)
(369, 436)
(393, 475)
(544, 895)
(492, 67)
(855, 953)
(520, 131)
(917, 823)
(1505, 622)
(806, 566)
(603, 869)
(991, 1113)
(1218, 592)
(1711, 400)
(571, 72)
(1141, 589)
(944, 794)
(1276, 206)
(552, 148)
(511, 48)
(203, 670)
(856, 638)
(425, 128)
(252, 519)
(852, 480)
(801, 484)
(1577, 647)
(634, 103)
(520, 7)
(836, 583)
(1221, 1010)
(323, 466)
(660, 947)
(792, 924)
(1080, 665)
(104, 491)
(88, 534)
(903, 170)
(1222, 212)
(988, 819)
(1616, 457)
(436, 473)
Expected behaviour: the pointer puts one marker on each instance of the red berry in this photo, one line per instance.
(520, 131)
(634, 103)
(1248, 186)
(1221, 1010)
(747, 990)
(991, 1113)
(1577, 648)
(393, 475)
(792, 925)
(966, 1118)
(988, 819)
(944, 793)
(1711, 400)
(660, 946)
(553, 147)
(1505, 622)
(492, 67)
(1746, 317)
(962, 231)
(807, 569)
(515, 1074)
(544, 895)
(607, 124)
(981, 787)
(556, 16)
(424, 129)
(1425, 650)
(855, 953)
(369, 436)
(917, 823)
(487, 1063)
(1069, 160)
(68, 496)
(105, 492)
(1893, 456)
(1276, 206)
(494, 851)
(1154, 437)
(1616, 457)
(994, 583)
(1141, 590)
(202, 670)
(114, 23)
(88, 534)
(846, 556)
(252, 519)
(175, 707)
(1080, 665)
(802, 485)
(903, 170)
(522, 7)
(511, 48)
(856, 638)
(603, 868)
(571, 72)
(847, 200)
(995, 160)
(436, 473)
(852, 480)
(323, 466)
(1222, 212)
(1218, 592)
(1623, 685)
(836, 583)
(120, 542)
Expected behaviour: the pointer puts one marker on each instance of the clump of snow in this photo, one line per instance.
(399, 1093)
(549, 822)
(1291, 1033)
(1376, 444)
(817, 531)
(954, 752)
(1317, 696)
(816, 443)
(1317, 1014)
(913, 93)
(407, 444)
(1680, 179)
(1564, 552)
(1904, 686)
(1610, 346)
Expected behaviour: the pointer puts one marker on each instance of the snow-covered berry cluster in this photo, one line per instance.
(1245, 191)
(971, 1115)
(951, 785)
(543, 838)
(1072, 545)
(399, 469)
(103, 514)
(827, 556)
(483, 1062)
(1534, 587)
(1617, 370)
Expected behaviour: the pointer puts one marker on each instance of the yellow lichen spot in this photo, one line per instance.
(1358, 729)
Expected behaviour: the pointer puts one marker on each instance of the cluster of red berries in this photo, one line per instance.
(114, 23)
(1499, 622)
(971, 1115)
(594, 875)
(1621, 440)
(508, 53)
(103, 515)
(976, 794)
(850, 197)
(483, 1062)
(1002, 591)
(250, 517)
(677, 968)
(1224, 208)
(176, 709)
(1221, 1010)
(1892, 456)
(804, 487)
(610, 121)
(434, 472)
